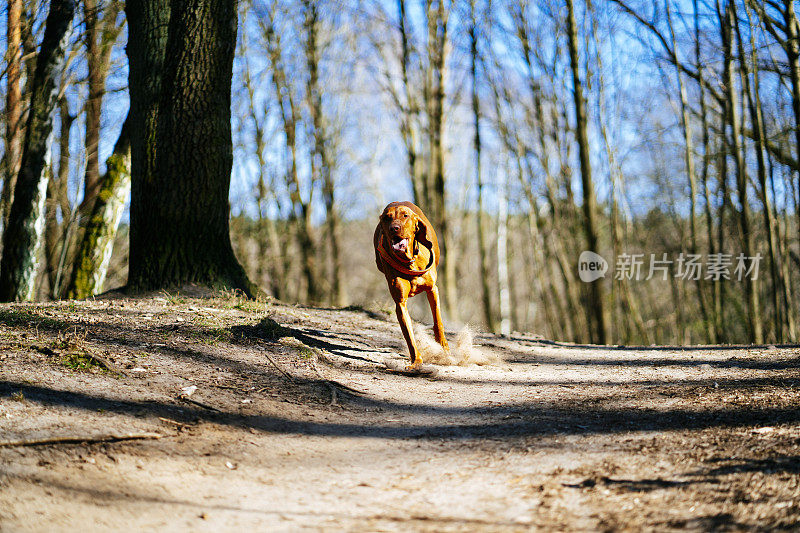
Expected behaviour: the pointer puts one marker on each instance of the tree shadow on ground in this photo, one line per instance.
(788, 464)
(520, 420)
(509, 421)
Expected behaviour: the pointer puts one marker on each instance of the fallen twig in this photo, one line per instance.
(228, 387)
(199, 404)
(276, 365)
(174, 422)
(79, 440)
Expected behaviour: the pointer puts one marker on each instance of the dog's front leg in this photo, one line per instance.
(408, 333)
(438, 326)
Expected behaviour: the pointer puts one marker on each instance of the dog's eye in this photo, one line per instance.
(405, 215)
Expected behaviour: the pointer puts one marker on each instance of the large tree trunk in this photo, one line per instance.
(91, 265)
(596, 308)
(13, 106)
(180, 214)
(792, 49)
(22, 238)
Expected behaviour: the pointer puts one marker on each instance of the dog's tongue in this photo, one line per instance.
(401, 246)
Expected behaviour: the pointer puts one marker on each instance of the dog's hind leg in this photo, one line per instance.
(438, 326)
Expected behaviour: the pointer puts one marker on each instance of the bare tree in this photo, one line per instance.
(596, 307)
(22, 238)
(13, 106)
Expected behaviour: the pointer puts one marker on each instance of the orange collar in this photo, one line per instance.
(395, 264)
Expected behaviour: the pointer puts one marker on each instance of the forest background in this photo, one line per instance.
(655, 132)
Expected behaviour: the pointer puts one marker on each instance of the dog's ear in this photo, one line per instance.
(423, 233)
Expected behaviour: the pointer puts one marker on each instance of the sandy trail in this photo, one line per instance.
(557, 437)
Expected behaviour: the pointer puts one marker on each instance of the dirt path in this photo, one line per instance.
(296, 426)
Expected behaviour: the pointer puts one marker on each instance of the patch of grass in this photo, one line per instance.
(220, 334)
(81, 361)
(73, 352)
(18, 396)
(237, 300)
(307, 353)
(173, 299)
(252, 306)
(27, 318)
(211, 335)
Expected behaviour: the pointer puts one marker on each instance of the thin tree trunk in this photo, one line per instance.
(290, 118)
(792, 49)
(437, 18)
(99, 38)
(13, 108)
(270, 253)
(596, 308)
(631, 314)
(691, 174)
(732, 113)
(57, 198)
(96, 84)
(714, 330)
(410, 113)
(756, 119)
(22, 238)
(94, 254)
(486, 298)
(502, 261)
(322, 161)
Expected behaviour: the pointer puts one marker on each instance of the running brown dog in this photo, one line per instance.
(407, 252)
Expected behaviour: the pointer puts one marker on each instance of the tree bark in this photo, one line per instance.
(180, 214)
(22, 238)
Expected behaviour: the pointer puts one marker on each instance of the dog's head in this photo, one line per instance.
(401, 228)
